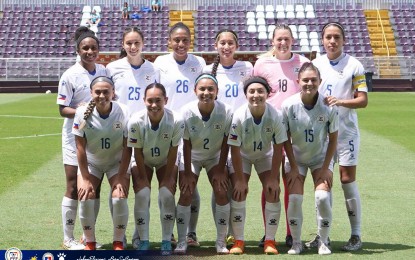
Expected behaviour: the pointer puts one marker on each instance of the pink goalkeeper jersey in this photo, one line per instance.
(281, 75)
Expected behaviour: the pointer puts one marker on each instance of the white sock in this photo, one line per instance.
(238, 215)
(354, 206)
(221, 221)
(69, 208)
(167, 213)
(194, 211)
(322, 199)
(230, 230)
(213, 205)
(295, 216)
(142, 212)
(182, 221)
(87, 218)
(272, 218)
(119, 218)
(97, 205)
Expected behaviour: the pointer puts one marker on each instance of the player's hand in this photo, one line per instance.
(187, 182)
(240, 190)
(272, 189)
(331, 101)
(122, 186)
(220, 179)
(86, 190)
(325, 176)
(293, 177)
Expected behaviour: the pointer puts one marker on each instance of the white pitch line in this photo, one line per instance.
(27, 136)
(39, 117)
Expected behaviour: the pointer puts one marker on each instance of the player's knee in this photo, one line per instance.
(165, 195)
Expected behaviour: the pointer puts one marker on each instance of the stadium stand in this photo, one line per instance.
(382, 38)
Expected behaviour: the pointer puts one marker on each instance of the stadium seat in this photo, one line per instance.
(269, 15)
(269, 8)
(262, 35)
(261, 21)
(299, 15)
(280, 15)
(250, 14)
(259, 8)
(290, 14)
(279, 8)
(260, 15)
(289, 8)
(309, 8)
(261, 28)
(86, 9)
(299, 8)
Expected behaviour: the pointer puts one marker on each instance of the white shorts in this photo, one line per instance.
(69, 156)
(197, 166)
(302, 168)
(348, 151)
(98, 172)
(261, 165)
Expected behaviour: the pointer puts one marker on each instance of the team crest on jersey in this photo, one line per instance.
(165, 136)
(320, 119)
(193, 129)
(296, 70)
(117, 125)
(133, 130)
(217, 126)
(340, 74)
(267, 129)
(193, 70)
(295, 116)
(242, 73)
(147, 77)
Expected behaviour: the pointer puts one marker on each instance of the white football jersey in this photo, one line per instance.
(309, 128)
(74, 90)
(231, 88)
(206, 137)
(104, 137)
(155, 142)
(179, 79)
(131, 82)
(342, 79)
(256, 140)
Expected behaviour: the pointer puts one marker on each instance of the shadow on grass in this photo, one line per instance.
(207, 249)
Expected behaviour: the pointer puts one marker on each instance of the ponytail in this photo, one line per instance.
(215, 65)
(88, 112)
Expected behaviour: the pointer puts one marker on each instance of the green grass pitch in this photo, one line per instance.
(32, 185)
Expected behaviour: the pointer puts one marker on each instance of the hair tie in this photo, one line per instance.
(206, 76)
(101, 79)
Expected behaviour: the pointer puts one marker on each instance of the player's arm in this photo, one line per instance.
(360, 100)
(85, 187)
(123, 177)
(240, 186)
(169, 179)
(66, 111)
(187, 181)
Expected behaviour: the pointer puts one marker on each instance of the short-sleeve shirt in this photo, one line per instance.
(105, 136)
(155, 142)
(281, 76)
(74, 90)
(206, 135)
(309, 128)
(131, 81)
(341, 80)
(256, 140)
(179, 79)
(230, 79)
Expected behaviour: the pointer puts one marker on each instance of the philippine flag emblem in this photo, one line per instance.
(233, 137)
(76, 126)
(62, 97)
